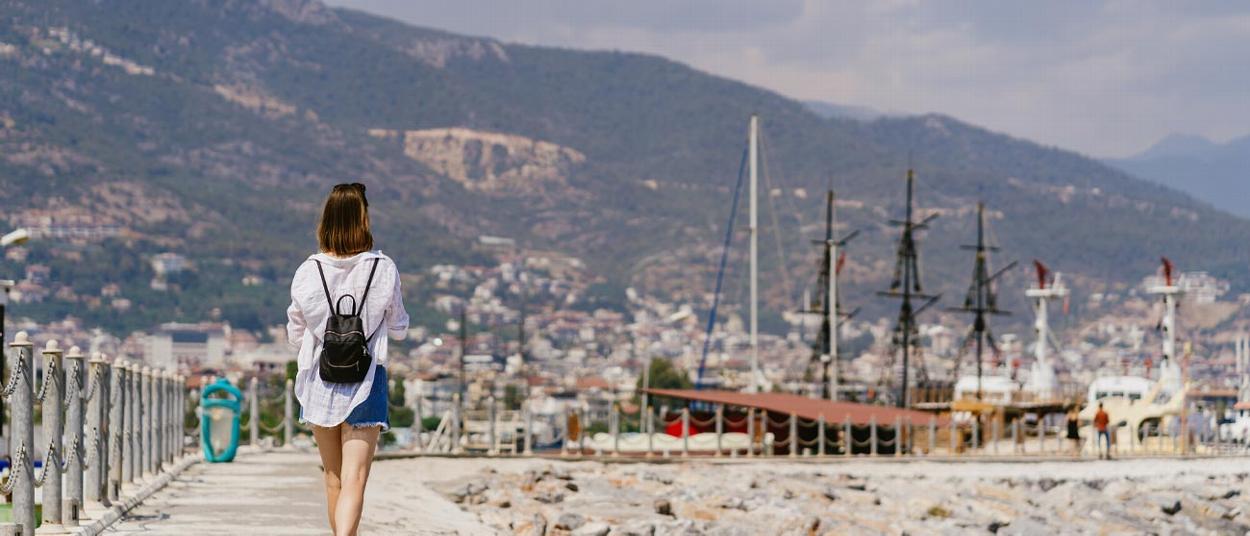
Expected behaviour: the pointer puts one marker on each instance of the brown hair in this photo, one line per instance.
(344, 226)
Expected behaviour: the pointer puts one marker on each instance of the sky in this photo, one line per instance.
(1107, 79)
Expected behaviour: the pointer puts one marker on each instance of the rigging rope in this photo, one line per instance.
(720, 273)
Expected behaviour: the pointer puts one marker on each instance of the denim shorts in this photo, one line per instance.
(375, 410)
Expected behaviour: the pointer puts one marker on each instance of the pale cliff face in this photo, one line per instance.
(487, 161)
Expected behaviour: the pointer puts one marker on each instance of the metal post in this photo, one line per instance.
(794, 435)
(685, 432)
(22, 412)
(872, 436)
(117, 429)
(96, 477)
(720, 427)
(490, 433)
(932, 434)
(750, 433)
(75, 452)
(53, 431)
(288, 415)
(820, 436)
(253, 408)
(848, 441)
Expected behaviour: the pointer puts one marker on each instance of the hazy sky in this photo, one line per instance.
(1107, 79)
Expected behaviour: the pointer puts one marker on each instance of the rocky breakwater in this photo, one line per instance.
(1131, 497)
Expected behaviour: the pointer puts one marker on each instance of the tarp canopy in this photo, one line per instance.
(805, 408)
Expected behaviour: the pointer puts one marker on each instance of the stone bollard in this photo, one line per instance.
(720, 428)
(117, 430)
(22, 413)
(995, 433)
(650, 433)
(932, 435)
(95, 492)
(133, 401)
(181, 380)
(145, 422)
(848, 440)
(685, 432)
(976, 433)
(75, 450)
(794, 435)
(872, 436)
(750, 434)
(170, 431)
(820, 436)
(156, 407)
(898, 436)
(491, 420)
(529, 431)
(614, 422)
(419, 424)
(53, 431)
(253, 408)
(288, 415)
(952, 436)
(1015, 436)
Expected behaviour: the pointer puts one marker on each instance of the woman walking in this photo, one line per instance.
(345, 300)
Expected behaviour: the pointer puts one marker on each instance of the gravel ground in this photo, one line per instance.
(732, 497)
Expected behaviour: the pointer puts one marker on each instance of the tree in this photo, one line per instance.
(663, 375)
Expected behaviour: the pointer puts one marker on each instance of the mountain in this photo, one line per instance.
(1213, 172)
(213, 129)
(845, 111)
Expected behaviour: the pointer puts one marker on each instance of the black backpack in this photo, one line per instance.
(345, 349)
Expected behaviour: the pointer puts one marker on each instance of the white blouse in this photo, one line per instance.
(328, 404)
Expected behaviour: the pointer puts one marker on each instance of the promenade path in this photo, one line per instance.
(280, 493)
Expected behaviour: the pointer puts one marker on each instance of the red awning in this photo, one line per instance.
(805, 408)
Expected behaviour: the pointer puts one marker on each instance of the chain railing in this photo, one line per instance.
(121, 427)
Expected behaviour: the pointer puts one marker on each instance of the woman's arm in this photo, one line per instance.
(396, 316)
(295, 322)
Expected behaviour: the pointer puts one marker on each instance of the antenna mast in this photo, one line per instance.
(906, 286)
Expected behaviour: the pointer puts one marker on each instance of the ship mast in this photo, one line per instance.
(981, 299)
(753, 163)
(906, 286)
(830, 308)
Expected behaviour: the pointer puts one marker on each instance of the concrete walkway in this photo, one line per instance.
(280, 493)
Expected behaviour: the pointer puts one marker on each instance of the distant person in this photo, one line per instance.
(1101, 422)
(1074, 430)
(341, 384)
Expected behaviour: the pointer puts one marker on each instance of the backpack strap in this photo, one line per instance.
(324, 286)
(364, 296)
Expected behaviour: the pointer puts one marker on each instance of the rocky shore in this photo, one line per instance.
(732, 497)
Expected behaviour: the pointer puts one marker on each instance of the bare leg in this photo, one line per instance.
(329, 444)
(358, 445)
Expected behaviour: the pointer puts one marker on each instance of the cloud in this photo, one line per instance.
(1104, 78)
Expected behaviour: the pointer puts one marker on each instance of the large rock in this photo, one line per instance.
(534, 526)
(593, 529)
(570, 521)
(634, 528)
